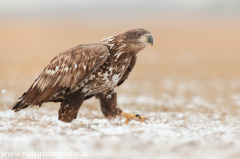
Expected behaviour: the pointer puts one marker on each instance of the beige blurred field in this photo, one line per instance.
(188, 80)
(185, 48)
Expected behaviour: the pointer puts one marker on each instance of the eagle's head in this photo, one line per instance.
(130, 42)
(140, 37)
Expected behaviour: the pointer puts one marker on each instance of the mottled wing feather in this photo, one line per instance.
(67, 70)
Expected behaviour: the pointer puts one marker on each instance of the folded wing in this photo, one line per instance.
(67, 70)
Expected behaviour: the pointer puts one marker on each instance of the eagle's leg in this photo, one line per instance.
(70, 106)
(108, 102)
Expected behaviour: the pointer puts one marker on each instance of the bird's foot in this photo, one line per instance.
(130, 116)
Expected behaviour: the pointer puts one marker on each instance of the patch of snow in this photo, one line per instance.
(168, 135)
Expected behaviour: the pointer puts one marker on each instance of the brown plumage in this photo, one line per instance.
(94, 69)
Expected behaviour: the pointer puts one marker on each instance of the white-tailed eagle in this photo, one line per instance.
(87, 70)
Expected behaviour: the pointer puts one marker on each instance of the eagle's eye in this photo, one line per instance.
(138, 35)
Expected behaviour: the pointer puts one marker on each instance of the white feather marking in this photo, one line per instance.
(91, 77)
(109, 96)
(115, 78)
(119, 54)
(56, 69)
(36, 82)
(51, 72)
(76, 77)
(82, 85)
(43, 85)
(105, 74)
(59, 77)
(110, 69)
(76, 65)
(84, 67)
(55, 95)
(85, 90)
(66, 69)
(111, 45)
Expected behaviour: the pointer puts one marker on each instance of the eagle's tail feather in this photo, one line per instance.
(19, 105)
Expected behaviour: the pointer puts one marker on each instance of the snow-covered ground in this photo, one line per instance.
(166, 135)
(190, 122)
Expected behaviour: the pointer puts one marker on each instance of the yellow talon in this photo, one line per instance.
(130, 116)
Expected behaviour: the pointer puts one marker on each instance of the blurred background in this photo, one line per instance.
(193, 40)
(197, 38)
